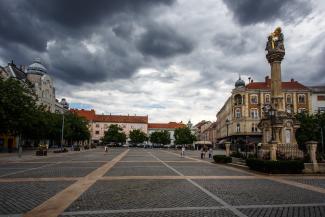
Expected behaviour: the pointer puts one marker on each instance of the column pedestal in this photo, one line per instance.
(273, 148)
(227, 144)
(312, 147)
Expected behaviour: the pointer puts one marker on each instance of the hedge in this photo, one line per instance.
(280, 166)
(222, 159)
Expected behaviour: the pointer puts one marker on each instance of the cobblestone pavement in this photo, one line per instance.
(150, 182)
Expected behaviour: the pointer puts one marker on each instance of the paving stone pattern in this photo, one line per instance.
(182, 213)
(313, 182)
(313, 211)
(203, 169)
(255, 192)
(153, 197)
(21, 197)
(135, 194)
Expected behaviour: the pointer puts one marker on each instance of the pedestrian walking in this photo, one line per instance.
(210, 153)
(202, 153)
(183, 151)
(106, 148)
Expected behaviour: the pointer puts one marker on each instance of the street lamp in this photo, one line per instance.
(62, 130)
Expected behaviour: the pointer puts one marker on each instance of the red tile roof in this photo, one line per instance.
(121, 119)
(291, 85)
(170, 125)
(88, 114)
(91, 116)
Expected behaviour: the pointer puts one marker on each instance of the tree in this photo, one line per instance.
(17, 107)
(137, 136)
(184, 136)
(160, 137)
(114, 134)
(75, 128)
(310, 129)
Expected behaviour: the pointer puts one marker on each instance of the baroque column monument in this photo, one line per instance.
(278, 124)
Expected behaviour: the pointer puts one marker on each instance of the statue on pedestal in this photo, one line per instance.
(275, 41)
(275, 46)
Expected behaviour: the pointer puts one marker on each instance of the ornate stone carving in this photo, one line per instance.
(275, 46)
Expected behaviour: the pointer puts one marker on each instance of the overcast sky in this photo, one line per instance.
(174, 60)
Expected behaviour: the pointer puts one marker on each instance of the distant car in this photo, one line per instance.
(168, 146)
(125, 145)
(140, 145)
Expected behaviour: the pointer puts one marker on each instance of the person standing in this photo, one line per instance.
(183, 151)
(202, 153)
(106, 148)
(210, 153)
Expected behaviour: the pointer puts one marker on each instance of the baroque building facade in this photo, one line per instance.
(238, 119)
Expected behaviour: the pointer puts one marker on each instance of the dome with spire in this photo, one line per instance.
(37, 67)
(240, 83)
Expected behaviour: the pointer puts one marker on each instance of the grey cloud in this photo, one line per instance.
(248, 12)
(27, 26)
(163, 42)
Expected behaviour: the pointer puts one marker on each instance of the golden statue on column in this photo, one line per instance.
(277, 124)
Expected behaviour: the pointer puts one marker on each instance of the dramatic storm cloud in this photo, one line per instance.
(171, 59)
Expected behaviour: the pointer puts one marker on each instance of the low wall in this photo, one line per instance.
(309, 168)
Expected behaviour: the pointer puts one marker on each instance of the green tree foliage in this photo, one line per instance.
(20, 116)
(137, 136)
(17, 107)
(160, 137)
(76, 128)
(310, 129)
(114, 134)
(184, 136)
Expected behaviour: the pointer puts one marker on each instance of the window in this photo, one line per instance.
(321, 98)
(254, 99)
(238, 128)
(238, 113)
(267, 99)
(321, 109)
(254, 127)
(301, 98)
(289, 99)
(254, 113)
(97, 125)
(105, 126)
(97, 132)
(238, 99)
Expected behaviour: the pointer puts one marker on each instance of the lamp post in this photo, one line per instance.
(62, 130)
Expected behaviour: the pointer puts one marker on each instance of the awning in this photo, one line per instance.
(222, 141)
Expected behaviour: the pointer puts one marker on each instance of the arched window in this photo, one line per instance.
(289, 99)
(254, 99)
(237, 113)
(301, 99)
(267, 99)
(238, 99)
(254, 113)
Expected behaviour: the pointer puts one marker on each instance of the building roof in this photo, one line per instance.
(13, 71)
(266, 85)
(37, 67)
(121, 119)
(170, 125)
(317, 89)
(88, 114)
(91, 116)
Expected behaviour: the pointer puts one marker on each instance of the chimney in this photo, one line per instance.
(292, 80)
(249, 79)
(252, 81)
(266, 78)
